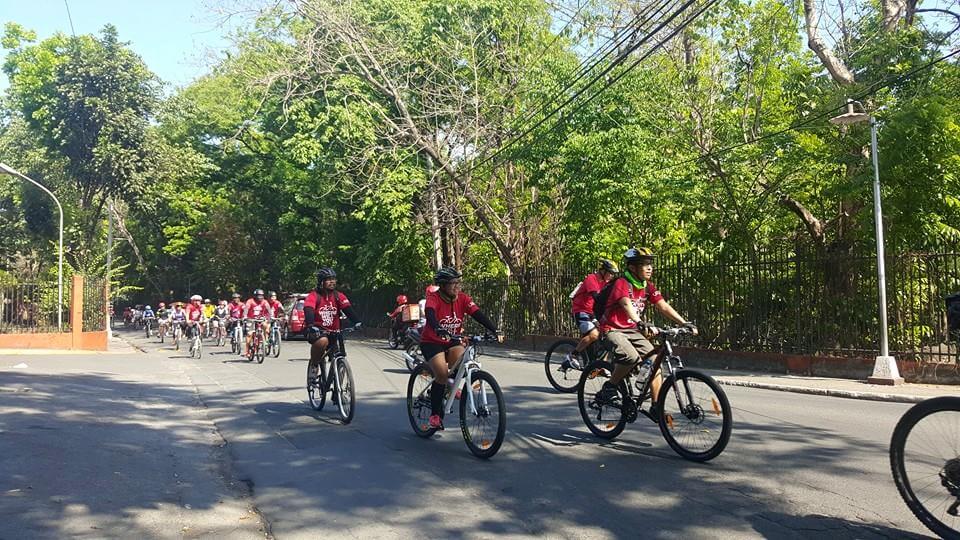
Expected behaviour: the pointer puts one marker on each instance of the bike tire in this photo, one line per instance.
(898, 466)
(276, 346)
(259, 353)
(591, 380)
(412, 359)
(347, 392)
(418, 403)
(315, 394)
(480, 444)
(696, 414)
(393, 342)
(562, 381)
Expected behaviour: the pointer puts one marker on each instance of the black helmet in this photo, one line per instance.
(446, 275)
(640, 255)
(607, 265)
(258, 292)
(325, 273)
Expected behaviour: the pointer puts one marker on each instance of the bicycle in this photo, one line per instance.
(411, 350)
(236, 337)
(691, 407)
(338, 380)
(196, 342)
(177, 333)
(482, 440)
(219, 333)
(273, 339)
(925, 463)
(256, 352)
(562, 375)
(162, 328)
(148, 326)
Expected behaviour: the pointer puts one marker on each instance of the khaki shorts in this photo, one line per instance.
(629, 346)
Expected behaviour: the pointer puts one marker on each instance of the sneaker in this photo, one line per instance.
(436, 422)
(607, 394)
(572, 361)
(313, 376)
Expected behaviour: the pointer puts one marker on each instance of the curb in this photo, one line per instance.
(871, 396)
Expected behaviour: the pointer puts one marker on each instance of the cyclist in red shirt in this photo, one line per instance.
(440, 341)
(582, 309)
(276, 309)
(255, 308)
(321, 314)
(396, 326)
(622, 314)
(235, 311)
(195, 316)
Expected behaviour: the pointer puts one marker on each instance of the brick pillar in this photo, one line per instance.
(76, 312)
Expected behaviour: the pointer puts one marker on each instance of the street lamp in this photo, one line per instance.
(6, 169)
(885, 367)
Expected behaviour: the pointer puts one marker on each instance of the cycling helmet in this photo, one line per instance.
(272, 293)
(258, 292)
(235, 295)
(446, 275)
(148, 307)
(326, 273)
(206, 300)
(195, 298)
(402, 299)
(609, 266)
(640, 255)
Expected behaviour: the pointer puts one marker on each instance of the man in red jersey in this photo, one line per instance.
(195, 316)
(439, 342)
(255, 308)
(321, 314)
(629, 297)
(582, 309)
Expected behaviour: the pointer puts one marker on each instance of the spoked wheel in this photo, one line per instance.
(346, 395)
(418, 400)
(176, 340)
(197, 348)
(562, 376)
(393, 341)
(605, 420)
(485, 425)
(220, 338)
(162, 331)
(276, 345)
(315, 392)
(695, 416)
(259, 352)
(926, 466)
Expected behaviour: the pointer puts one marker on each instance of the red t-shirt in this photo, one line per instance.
(583, 300)
(450, 315)
(276, 308)
(326, 308)
(256, 310)
(236, 309)
(615, 316)
(194, 313)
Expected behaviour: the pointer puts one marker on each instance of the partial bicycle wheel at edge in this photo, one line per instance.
(563, 380)
(483, 438)
(605, 421)
(700, 430)
(418, 400)
(923, 458)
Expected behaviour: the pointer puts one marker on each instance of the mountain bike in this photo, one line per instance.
(196, 342)
(483, 415)
(177, 333)
(925, 461)
(162, 328)
(148, 326)
(338, 380)
(563, 375)
(273, 339)
(256, 351)
(691, 409)
(236, 337)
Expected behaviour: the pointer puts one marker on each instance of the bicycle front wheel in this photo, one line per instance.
(562, 376)
(604, 419)
(315, 391)
(485, 424)
(418, 400)
(346, 394)
(695, 415)
(925, 463)
(258, 352)
(276, 344)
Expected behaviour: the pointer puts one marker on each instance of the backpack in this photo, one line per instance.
(600, 301)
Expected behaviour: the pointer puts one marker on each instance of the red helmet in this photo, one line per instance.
(402, 299)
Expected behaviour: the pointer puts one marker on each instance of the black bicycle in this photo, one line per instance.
(564, 368)
(691, 409)
(925, 460)
(338, 379)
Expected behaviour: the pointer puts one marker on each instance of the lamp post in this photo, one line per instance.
(885, 367)
(6, 169)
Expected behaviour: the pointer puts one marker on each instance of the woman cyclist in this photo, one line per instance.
(439, 343)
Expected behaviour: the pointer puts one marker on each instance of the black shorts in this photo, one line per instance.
(430, 350)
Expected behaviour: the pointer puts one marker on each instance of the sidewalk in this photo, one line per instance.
(113, 445)
(822, 386)
(115, 346)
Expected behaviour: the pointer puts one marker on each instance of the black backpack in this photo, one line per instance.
(600, 301)
(953, 312)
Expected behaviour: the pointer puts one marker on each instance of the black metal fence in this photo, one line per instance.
(32, 307)
(94, 304)
(779, 301)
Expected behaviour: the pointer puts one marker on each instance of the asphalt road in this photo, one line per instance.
(797, 466)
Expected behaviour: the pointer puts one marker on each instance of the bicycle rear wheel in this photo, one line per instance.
(561, 375)
(484, 428)
(695, 415)
(346, 393)
(315, 392)
(418, 400)
(603, 420)
(925, 464)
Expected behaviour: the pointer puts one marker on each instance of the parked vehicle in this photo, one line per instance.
(293, 313)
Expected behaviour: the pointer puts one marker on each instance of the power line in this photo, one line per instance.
(70, 18)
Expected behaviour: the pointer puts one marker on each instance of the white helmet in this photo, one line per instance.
(196, 297)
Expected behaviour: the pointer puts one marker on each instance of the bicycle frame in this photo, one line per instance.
(468, 365)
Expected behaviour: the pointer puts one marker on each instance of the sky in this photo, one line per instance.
(178, 39)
